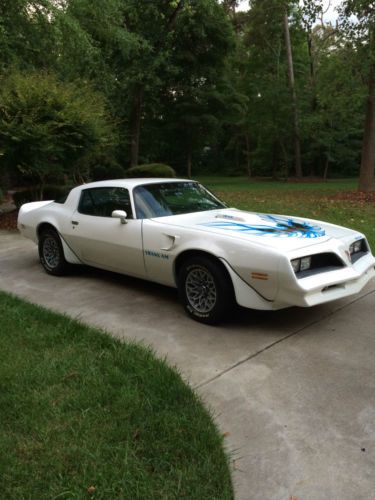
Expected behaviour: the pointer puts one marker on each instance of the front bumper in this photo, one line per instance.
(325, 287)
(306, 292)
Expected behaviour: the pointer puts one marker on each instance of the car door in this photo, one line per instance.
(103, 241)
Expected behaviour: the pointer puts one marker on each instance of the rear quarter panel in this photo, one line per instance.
(32, 215)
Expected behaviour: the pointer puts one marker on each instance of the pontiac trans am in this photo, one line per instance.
(175, 232)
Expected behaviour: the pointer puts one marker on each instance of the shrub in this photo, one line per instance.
(21, 197)
(103, 172)
(49, 193)
(49, 128)
(151, 170)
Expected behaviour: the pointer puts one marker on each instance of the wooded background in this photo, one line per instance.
(98, 86)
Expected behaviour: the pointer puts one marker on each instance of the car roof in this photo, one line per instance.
(131, 183)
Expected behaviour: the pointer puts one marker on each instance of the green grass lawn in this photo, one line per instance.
(81, 410)
(313, 200)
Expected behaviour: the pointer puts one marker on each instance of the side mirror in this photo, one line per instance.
(120, 214)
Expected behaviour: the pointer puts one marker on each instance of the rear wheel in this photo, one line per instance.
(51, 253)
(205, 290)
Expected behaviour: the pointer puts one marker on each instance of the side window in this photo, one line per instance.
(101, 202)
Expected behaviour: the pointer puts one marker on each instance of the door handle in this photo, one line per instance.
(75, 222)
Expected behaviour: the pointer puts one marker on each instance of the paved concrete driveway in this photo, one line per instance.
(293, 391)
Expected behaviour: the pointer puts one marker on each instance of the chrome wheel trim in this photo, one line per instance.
(200, 290)
(51, 252)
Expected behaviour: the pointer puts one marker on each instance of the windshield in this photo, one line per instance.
(173, 198)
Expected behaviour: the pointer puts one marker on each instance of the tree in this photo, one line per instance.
(362, 34)
(289, 52)
(335, 125)
(27, 37)
(50, 128)
(135, 40)
(150, 50)
(259, 68)
(199, 85)
(194, 100)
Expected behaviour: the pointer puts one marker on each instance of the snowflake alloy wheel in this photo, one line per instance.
(51, 252)
(201, 290)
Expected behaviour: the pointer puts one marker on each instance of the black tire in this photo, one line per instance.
(205, 290)
(51, 253)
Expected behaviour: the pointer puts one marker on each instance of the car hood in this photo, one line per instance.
(277, 231)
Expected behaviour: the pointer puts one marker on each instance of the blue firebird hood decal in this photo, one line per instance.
(281, 228)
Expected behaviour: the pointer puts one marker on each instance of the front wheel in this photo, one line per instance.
(205, 290)
(51, 253)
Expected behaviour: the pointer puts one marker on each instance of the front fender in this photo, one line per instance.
(251, 266)
(247, 296)
(164, 245)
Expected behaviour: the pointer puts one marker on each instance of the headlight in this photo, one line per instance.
(318, 263)
(355, 247)
(302, 264)
(296, 263)
(305, 263)
(358, 249)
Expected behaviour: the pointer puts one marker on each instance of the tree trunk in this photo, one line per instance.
(326, 167)
(286, 161)
(314, 102)
(275, 157)
(189, 170)
(248, 158)
(367, 172)
(135, 123)
(297, 145)
(237, 155)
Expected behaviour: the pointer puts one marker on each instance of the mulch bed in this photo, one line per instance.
(356, 196)
(8, 220)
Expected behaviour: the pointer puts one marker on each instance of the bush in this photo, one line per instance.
(49, 193)
(1, 196)
(21, 197)
(151, 170)
(50, 128)
(103, 172)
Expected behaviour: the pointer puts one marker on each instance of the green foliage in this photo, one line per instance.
(154, 58)
(150, 170)
(27, 37)
(330, 90)
(47, 127)
(260, 132)
(360, 33)
(196, 83)
(104, 171)
(335, 126)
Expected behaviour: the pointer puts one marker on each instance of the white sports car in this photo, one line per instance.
(177, 233)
